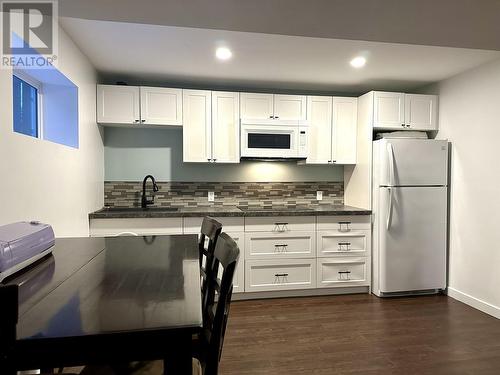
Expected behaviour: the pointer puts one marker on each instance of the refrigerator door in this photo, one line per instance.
(412, 238)
(412, 162)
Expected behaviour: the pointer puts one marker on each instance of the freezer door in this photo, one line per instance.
(412, 238)
(404, 162)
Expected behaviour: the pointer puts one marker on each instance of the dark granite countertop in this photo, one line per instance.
(226, 211)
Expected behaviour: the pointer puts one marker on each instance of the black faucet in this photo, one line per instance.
(144, 201)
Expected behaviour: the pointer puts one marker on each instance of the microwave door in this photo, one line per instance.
(269, 142)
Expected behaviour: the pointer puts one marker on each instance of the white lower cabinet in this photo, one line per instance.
(335, 243)
(269, 275)
(348, 271)
(271, 245)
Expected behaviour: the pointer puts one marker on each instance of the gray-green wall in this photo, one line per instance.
(130, 154)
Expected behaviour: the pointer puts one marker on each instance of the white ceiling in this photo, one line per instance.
(149, 53)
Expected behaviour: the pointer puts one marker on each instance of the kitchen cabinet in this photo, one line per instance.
(118, 104)
(338, 272)
(197, 126)
(421, 112)
(225, 127)
(122, 105)
(135, 227)
(332, 130)
(393, 110)
(388, 110)
(211, 127)
(161, 106)
(274, 107)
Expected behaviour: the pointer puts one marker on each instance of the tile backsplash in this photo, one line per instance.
(252, 194)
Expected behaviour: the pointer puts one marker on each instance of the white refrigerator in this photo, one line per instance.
(410, 215)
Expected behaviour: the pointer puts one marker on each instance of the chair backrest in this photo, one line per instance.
(210, 231)
(9, 297)
(226, 255)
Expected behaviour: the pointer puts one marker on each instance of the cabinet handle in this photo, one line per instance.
(344, 275)
(334, 161)
(214, 160)
(143, 121)
(276, 117)
(344, 226)
(280, 227)
(403, 125)
(271, 116)
(281, 274)
(136, 121)
(346, 244)
(280, 248)
(407, 126)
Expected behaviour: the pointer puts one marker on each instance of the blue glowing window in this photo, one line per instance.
(25, 100)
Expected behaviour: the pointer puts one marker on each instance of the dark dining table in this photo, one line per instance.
(107, 301)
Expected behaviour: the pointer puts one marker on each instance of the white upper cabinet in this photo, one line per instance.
(257, 106)
(394, 110)
(319, 116)
(196, 130)
(332, 130)
(345, 117)
(388, 111)
(290, 107)
(118, 104)
(225, 127)
(421, 112)
(274, 107)
(121, 105)
(161, 106)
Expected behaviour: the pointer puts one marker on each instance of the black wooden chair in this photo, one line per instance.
(210, 231)
(218, 300)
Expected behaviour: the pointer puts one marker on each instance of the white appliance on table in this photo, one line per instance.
(410, 216)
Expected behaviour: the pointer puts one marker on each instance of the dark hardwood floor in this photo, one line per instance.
(360, 334)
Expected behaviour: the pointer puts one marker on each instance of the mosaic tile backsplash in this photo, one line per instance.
(250, 194)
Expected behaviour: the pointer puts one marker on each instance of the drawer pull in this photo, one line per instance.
(280, 227)
(344, 226)
(344, 275)
(280, 278)
(280, 248)
(344, 246)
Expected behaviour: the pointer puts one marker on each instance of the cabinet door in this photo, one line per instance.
(388, 111)
(117, 104)
(161, 106)
(196, 130)
(345, 117)
(319, 116)
(421, 112)
(225, 127)
(290, 107)
(256, 106)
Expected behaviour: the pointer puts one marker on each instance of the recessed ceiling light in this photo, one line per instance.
(223, 53)
(358, 62)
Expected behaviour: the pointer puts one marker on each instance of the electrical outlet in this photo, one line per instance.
(211, 196)
(319, 195)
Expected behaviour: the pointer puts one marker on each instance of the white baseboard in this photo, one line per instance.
(474, 302)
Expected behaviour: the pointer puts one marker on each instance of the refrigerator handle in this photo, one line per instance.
(390, 151)
(389, 209)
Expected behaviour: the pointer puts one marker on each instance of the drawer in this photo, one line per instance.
(262, 245)
(344, 223)
(140, 226)
(280, 224)
(229, 224)
(335, 243)
(267, 275)
(339, 272)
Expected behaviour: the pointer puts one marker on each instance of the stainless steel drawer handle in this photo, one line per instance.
(280, 227)
(344, 246)
(344, 226)
(280, 248)
(344, 275)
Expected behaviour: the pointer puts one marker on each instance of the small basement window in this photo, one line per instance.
(45, 105)
(26, 99)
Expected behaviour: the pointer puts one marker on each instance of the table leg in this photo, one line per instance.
(179, 359)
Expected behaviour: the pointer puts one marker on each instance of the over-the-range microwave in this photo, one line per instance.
(273, 141)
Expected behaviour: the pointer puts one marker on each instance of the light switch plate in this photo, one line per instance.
(211, 196)
(319, 195)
